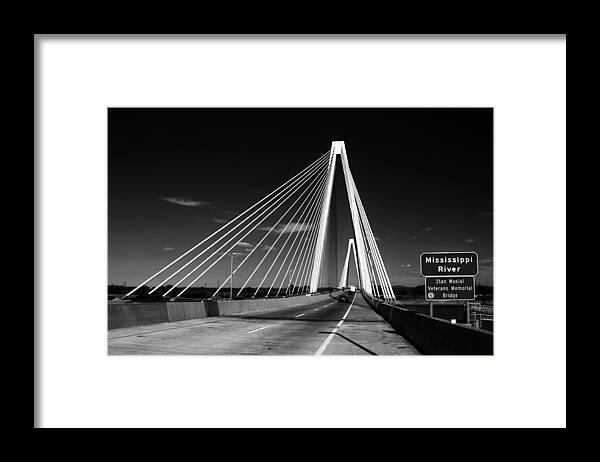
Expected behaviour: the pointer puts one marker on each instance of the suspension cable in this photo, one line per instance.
(306, 213)
(314, 181)
(379, 259)
(303, 232)
(324, 156)
(312, 194)
(275, 207)
(285, 194)
(297, 248)
(312, 240)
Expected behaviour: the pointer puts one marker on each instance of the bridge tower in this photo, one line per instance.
(312, 190)
(364, 245)
(344, 279)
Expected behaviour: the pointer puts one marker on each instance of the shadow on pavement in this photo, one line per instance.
(352, 342)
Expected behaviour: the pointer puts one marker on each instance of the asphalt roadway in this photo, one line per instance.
(328, 327)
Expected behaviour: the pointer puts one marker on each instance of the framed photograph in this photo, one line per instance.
(244, 241)
(249, 218)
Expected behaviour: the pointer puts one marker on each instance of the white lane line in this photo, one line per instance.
(299, 315)
(260, 328)
(316, 309)
(334, 331)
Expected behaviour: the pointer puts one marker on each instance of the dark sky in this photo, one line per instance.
(175, 175)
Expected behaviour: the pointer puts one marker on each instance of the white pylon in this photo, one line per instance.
(318, 256)
(359, 220)
(344, 279)
(364, 275)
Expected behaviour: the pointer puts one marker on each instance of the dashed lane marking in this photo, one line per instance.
(260, 328)
(330, 336)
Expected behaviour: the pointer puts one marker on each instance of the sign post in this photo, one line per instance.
(468, 312)
(449, 276)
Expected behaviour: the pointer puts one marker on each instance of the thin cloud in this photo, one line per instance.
(185, 202)
(220, 221)
(299, 227)
(237, 253)
(486, 262)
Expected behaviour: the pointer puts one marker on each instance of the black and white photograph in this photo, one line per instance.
(310, 231)
(300, 231)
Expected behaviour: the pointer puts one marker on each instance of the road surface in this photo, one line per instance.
(328, 327)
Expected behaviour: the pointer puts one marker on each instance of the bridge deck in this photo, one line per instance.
(328, 327)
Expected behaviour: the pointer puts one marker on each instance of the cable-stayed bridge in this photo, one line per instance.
(286, 232)
(279, 305)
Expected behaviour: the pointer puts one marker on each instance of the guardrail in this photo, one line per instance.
(140, 314)
(434, 336)
(481, 316)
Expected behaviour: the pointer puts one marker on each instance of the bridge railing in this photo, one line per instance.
(434, 336)
(139, 314)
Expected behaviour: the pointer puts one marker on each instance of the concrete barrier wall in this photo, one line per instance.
(140, 314)
(229, 307)
(178, 311)
(435, 336)
(136, 314)
(443, 311)
(211, 307)
(232, 307)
